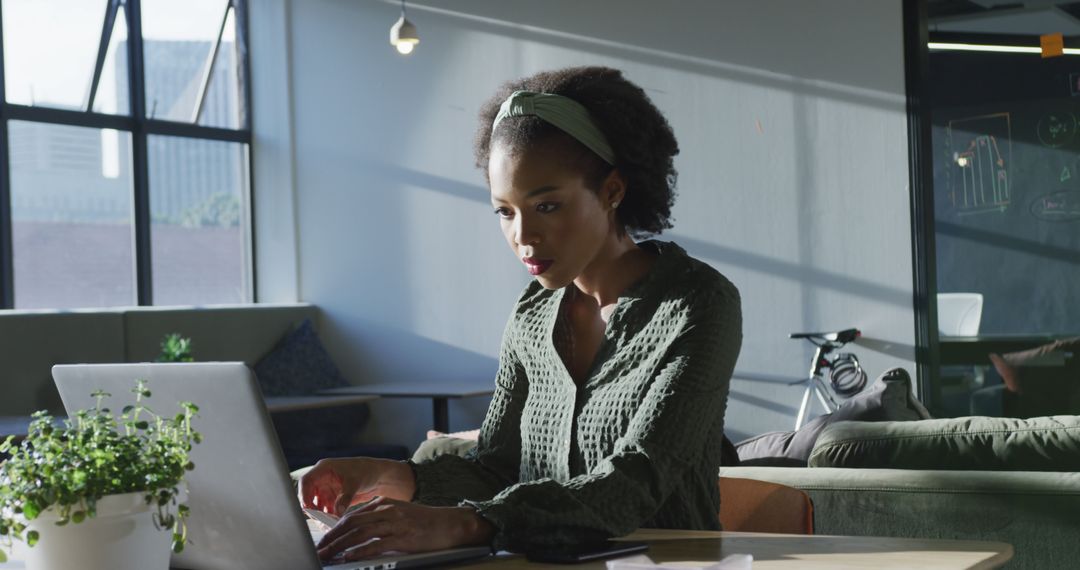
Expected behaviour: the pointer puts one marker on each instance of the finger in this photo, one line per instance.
(357, 537)
(349, 494)
(306, 491)
(374, 503)
(318, 487)
(348, 523)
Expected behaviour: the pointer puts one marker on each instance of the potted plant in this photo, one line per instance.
(98, 491)
(175, 348)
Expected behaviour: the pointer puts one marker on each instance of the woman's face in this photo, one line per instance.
(554, 223)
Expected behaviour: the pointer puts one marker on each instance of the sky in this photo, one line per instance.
(50, 46)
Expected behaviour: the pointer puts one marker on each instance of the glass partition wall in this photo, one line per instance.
(996, 178)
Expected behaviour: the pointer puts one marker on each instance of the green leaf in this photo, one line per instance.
(32, 538)
(31, 510)
(78, 516)
(3, 557)
(142, 424)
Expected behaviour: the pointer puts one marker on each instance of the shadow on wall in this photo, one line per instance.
(355, 342)
(370, 352)
(794, 271)
(710, 251)
(894, 349)
(761, 403)
(705, 64)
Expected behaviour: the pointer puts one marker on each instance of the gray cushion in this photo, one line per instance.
(298, 365)
(442, 445)
(889, 398)
(972, 443)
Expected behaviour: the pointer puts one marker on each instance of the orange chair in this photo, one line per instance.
(749, 505)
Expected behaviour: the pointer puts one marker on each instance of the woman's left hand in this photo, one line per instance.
(402, 526)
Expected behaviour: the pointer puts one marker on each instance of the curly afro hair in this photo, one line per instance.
(642, 138)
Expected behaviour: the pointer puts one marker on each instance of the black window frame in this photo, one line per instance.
(141, 128)
(920, 173)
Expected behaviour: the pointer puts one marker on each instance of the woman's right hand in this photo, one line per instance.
(334, 485)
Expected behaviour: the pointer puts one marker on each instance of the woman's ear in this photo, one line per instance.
(613, 189)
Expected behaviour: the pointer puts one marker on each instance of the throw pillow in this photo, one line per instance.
(889, 398)
(433, 447)
(298, 365)
(472, 434)
(972, 443)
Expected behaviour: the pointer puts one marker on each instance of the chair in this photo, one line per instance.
(749, 505)
(959, 313)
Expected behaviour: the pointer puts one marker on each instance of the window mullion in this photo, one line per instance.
(139, 159)
(7, 264)
(103, 50)
(208, 67)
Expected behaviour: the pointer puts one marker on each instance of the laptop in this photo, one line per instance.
(244, 510)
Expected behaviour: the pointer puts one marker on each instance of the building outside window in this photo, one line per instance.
(125, 170)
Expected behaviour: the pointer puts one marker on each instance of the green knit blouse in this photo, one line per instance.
(636, 445)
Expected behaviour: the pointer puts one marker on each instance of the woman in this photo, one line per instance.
(614, 368)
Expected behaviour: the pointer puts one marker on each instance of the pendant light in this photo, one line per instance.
(403, 34)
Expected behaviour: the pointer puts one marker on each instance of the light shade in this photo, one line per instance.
(403, 35)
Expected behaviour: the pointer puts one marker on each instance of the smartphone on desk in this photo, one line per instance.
(587, 553)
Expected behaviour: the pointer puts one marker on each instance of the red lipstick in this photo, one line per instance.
(536, 266)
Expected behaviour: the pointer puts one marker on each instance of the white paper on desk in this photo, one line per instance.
(642, 562)
(326, 519)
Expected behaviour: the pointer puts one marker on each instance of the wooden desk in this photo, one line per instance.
(789, 551)
(440, 393)
(962, 350)
(772, 552)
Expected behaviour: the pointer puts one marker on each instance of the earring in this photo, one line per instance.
(614, 204)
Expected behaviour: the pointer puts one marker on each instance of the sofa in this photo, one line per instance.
(32, 341)
(976, 478)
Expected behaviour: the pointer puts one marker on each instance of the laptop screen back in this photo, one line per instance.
(244, 513)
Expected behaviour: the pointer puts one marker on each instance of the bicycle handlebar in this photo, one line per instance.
(842, 337)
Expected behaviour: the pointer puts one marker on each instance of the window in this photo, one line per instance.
(997, 206)
(125, 146)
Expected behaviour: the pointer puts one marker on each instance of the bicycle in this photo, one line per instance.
(846, 376)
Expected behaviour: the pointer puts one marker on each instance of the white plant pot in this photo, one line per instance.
(121, 537)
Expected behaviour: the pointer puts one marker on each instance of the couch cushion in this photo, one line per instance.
(971, 443)
(220, 333)
(31, 342)
(889, 398)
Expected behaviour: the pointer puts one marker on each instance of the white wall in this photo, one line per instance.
(793, 177)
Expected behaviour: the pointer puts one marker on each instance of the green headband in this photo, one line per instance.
(563, 112)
